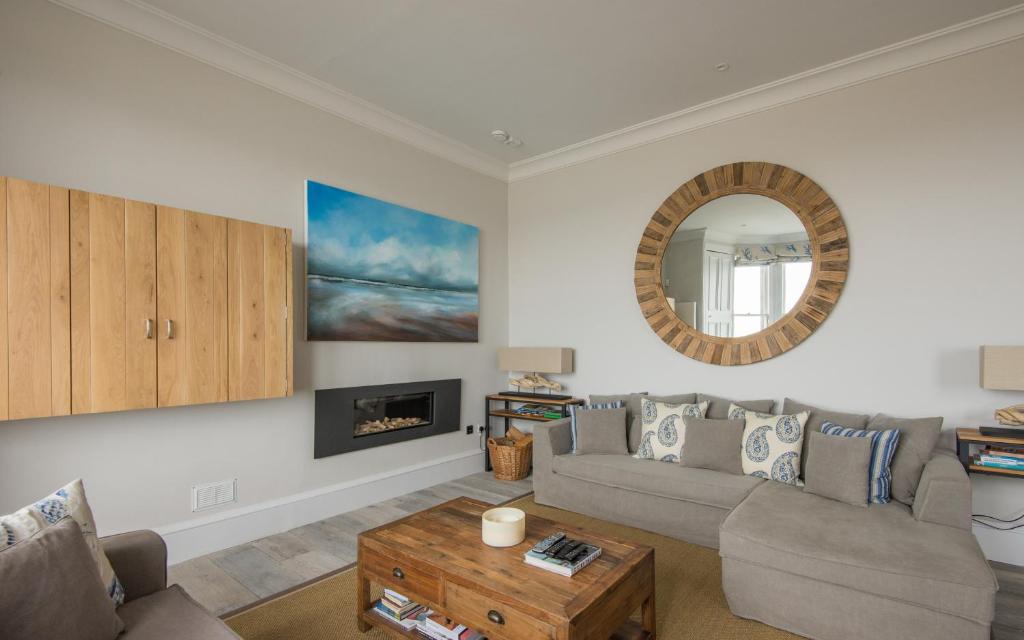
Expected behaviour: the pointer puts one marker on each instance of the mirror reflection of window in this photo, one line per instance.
(737, 265)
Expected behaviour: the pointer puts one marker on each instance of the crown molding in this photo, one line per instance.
(966, 37)
(147, 22)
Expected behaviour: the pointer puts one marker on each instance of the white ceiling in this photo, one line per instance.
(558, 72)
(745, 214)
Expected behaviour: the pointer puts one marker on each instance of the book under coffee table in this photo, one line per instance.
(436, 558)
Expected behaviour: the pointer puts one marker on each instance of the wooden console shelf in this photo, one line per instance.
(507, 399)
(966, 437)
(110, 304)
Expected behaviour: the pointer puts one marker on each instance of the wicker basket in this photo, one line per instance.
(511, 459)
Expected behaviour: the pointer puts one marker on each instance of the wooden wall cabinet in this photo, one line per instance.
(112, 304)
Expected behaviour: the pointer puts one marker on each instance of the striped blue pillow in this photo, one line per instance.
(574, 408)
(883, 446)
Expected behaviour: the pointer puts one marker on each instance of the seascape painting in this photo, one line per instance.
(377, 271)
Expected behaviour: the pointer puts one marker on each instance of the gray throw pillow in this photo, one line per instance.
(918, 437)
(713, 444)
(839, 468)
(51, 588)
(816, 419)
(636, 430)
(601, 431)
(718, 408)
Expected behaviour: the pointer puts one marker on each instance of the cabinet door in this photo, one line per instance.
(259, 322)
(113, 292)
(35, 237)
(193, 299)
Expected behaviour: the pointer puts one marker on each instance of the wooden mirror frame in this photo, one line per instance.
(830, 255)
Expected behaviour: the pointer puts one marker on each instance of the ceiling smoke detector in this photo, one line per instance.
(722, 66)
(506, 138)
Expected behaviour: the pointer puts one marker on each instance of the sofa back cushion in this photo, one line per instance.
(713, 444)
(918, 437)
(817, 418)
(839, 471)
(51, 588)
(718, 408)
(601, 431)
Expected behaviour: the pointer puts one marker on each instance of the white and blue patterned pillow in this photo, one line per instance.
(772, 445)
(69, 500)
(662, 429)
(883, 447)
(575, 408)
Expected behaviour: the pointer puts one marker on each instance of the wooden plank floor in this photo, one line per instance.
(1009, 622)
(229, 579)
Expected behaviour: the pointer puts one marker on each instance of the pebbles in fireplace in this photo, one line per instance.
(353, 418)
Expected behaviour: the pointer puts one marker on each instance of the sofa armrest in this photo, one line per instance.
(944, 493)
(549, 440)
(139, 559)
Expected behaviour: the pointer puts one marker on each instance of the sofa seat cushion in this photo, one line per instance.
(664, 479)
(171, 614)
(879, 550)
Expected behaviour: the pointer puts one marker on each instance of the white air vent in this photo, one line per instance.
(206, 496)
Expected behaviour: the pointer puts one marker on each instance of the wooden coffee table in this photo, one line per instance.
(436, 557)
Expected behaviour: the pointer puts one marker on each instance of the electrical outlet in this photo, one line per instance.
(469, 429)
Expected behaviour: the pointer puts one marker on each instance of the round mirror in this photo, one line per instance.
(741, 263)
(736, 265)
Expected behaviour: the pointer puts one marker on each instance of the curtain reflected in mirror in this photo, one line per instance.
(736, 265)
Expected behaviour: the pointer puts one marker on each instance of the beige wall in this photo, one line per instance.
(88, 106)
(927, 168)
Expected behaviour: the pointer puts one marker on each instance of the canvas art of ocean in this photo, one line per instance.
(379, 271)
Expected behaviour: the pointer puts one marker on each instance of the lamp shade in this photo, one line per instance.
(535, 359)
(1002, 367)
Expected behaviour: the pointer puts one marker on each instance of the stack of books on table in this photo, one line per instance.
(401, 610)
(562, 555)
(438, 627)
(999, 459)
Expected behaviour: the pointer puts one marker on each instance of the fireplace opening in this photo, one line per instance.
(379, 414)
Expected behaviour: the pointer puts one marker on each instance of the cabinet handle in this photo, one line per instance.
(398, 573)
(149, 328)
(495, 617)
(170, 329)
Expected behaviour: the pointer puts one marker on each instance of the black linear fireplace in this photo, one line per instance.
(356, 418)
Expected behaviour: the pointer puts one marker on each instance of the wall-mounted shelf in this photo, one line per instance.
(966, 437)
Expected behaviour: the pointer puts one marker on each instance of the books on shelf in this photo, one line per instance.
(537, 410)
(562, 555)
(1000, 458)
(415, 617)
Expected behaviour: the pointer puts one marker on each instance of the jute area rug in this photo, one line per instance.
(690, 602)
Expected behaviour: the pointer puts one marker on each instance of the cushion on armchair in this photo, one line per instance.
(50, 588)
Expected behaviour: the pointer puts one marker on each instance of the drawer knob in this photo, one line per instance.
(398, 573)
(495, 617)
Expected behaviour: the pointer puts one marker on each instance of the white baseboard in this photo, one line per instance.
(193, 538)
(1001, 546)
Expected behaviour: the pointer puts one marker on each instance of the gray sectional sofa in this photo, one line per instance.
(814, 566)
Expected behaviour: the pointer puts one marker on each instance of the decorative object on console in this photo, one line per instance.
(377, 271)
(883, 448)
(839, 471)
(664, 431)
(575, 410)
(1002, 368)
(534, 361)
(771, 444)
(503, 527)
(69, 500)
(799, 211)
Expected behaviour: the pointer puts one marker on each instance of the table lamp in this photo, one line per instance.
(1002, 368)
(534, 361)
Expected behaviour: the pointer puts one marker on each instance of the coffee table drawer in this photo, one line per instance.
(492, 618)
(396, 574)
